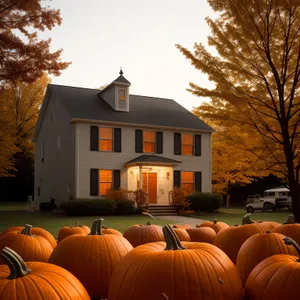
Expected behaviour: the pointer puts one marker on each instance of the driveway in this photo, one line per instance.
(180, 219)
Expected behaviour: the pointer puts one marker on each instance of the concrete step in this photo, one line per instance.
(163, 214)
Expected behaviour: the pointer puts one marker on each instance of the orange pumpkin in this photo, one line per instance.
(259, 247)
(35, 280)
(143, 234)
(91, 258)
(106, 230)
(204, 234)
(231, 239)
(265, 226)
(175, 271)
(205, 224)
(30, 247)
(183, 226)
(276, 277)
(290, 230)
(182, 234)
(67, 231)
(215, 225)
(36, 231)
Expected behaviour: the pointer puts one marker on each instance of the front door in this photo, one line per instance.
(149, 186)
(152, 188)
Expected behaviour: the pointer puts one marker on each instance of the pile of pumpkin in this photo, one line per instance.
(255, 260)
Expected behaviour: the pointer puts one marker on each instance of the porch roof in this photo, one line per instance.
(152, 160)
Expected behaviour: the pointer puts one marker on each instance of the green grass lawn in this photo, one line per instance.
(12, 214)
(233, 216)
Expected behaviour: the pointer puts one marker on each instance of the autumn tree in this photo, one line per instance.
(19, 106)
(22, 55)
(256, 75)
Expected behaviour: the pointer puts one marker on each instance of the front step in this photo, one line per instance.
(162, 210)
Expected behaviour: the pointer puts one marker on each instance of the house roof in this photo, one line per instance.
(84, 103)
(152, 159)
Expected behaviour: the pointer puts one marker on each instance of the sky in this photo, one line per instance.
(100, 36)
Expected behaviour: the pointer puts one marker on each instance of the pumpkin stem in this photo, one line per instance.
(290, 220)
(15, 263)
(197, 226)
(99, 226)
(171, 239)
(215, 221)
(246, 219)
(26, 230)
(148, 223)
(288, 241)
(77, 223)
(94, 229)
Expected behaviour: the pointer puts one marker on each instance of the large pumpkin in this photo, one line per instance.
(205, 224)
(275, 278)
(67, 231)
(143, 234)
(35, 280)
(290, 230)
(29, 247)
(36, 231)
(265, 226)
(202, 234)
(91, 258)
(182, 234)
(106, 230)
(231, 239)
(183, 226)
(175, 271)
(215, 225)
(259, 247)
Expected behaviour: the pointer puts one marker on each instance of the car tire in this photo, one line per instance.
(250, 210)
(268, 206)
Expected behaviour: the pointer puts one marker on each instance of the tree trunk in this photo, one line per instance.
(227, 200)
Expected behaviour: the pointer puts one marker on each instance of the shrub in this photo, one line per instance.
(205, 201)
(120, 194)
(140, 197)
(90, 207)
(179, 199)
(125, 207)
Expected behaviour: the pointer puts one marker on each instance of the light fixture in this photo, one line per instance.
(168, 175)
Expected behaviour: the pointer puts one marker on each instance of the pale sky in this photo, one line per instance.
(100, 36)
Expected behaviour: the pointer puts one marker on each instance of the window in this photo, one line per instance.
(187, 181)
(187, 144)
(122, 103)
(149, 141)
(271, 194)
(105, 139)
(105, 181)
(58, 141)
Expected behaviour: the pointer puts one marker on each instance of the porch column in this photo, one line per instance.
(141, 177)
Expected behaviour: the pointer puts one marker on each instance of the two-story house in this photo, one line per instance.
(88, 141)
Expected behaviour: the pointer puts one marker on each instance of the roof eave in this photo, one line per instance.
(162, 164)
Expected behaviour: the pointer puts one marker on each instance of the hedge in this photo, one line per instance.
(207, 202)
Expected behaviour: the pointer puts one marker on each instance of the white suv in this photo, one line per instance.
(273, 198)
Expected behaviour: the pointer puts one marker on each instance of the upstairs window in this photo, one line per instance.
(187, 144)
(187, 181)
(122, 96)
(105, 181)
(149, 141)
(105, 139)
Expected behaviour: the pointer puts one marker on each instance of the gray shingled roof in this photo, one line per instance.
(152, 159)
(86, 104)
(121, 79)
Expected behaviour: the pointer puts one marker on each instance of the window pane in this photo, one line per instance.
(187, 150)
(104, 188)
(187, 177)
(105, 145)
(121, 94)
(149, 147)
(187, 139)
(187, 187)
(149, 136)
(105, 176)
(122, 104)
(106, 133)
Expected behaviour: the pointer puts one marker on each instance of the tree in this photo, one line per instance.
(256, 76)
(19, 106)
(22, 55)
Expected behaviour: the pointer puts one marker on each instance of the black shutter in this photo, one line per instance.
(159, 142)
(197, 145)
(138, 141)
(177, 143)
(198, 181)
(117, 179)
(94, 138)
(94, 182)
(117, 139)
(176, 179)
